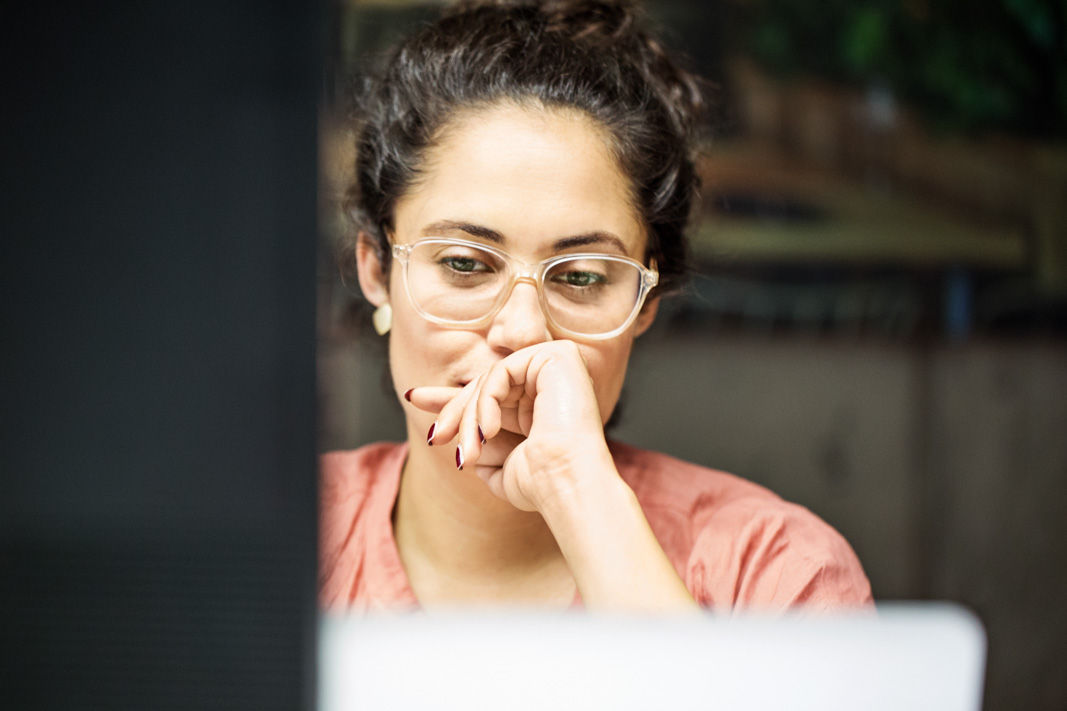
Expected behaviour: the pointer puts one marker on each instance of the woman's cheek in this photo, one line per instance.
(431, 355)
(408, 353)
(607, 368)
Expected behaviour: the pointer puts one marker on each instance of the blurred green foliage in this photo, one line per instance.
(967, 65)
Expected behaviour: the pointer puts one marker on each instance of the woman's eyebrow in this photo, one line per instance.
(444, 226)
(590, 238)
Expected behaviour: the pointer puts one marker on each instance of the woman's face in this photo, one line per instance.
(521, 180)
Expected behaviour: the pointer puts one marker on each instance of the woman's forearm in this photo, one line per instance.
(615, 558)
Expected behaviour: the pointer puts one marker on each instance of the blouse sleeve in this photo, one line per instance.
(751, 555)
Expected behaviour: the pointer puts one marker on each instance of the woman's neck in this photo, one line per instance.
(460, 543)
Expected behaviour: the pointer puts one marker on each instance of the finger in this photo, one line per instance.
(497, 412)
(431, 398)
(446, 427)
(491, 462)
(556, 369)
(505, 419)
(502, 392)
(470, 436)
(509, 484)
(514, 378)
(525, 415)
(509, 421)
(493, 478)
(497, 450)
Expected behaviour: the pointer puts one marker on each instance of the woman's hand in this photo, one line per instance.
(530, 426)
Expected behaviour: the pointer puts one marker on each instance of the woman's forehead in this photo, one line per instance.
(523, 177)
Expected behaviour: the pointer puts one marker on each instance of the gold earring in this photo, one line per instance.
(382, 319)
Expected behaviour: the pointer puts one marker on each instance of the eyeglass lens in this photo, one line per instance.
(462, 283)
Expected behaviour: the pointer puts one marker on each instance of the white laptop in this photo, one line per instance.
(928, 656)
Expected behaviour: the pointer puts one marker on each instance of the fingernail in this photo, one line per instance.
(429, 435)
(459, 457)
(481, 435)
(407, 395)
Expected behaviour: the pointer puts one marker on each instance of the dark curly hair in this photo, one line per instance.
(587, 55)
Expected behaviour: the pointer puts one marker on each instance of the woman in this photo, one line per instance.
(524, 176)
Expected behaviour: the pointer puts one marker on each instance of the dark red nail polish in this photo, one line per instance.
(481, 435)
(407, 395)
(459, 458)
(429, 435)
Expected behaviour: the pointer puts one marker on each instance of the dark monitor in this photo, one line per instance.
(157, 480)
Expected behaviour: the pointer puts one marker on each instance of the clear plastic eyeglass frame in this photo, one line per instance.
(533, 274)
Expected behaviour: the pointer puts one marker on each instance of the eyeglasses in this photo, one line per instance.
(458, 283)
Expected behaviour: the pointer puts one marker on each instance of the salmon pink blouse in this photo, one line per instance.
(734, 543)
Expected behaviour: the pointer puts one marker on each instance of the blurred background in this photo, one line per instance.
(876, 325)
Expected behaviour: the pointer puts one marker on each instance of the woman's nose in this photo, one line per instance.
(520, 321)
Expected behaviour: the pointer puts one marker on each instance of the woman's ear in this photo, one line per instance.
(372, 280)
(646, 316)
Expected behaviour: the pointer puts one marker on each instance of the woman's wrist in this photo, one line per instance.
(566, 482)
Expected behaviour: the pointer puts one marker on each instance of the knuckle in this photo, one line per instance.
(575, 352)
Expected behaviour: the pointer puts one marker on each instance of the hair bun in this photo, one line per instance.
(591, 19)
(579, 19)
(616, 26)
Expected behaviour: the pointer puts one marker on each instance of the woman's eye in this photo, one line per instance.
(464, 264)
(577, 278)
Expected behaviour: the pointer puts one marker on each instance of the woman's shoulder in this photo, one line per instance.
(350, 480)
(701, 498)
(357, 555)
(737, 543)
(662, 480)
